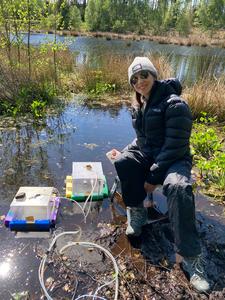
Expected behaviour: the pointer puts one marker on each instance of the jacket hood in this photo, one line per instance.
(170, 86)
(162, 89)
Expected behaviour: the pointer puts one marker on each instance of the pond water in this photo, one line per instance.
(188, 63)
(44, 155)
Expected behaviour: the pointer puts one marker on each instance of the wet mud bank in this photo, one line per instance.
(151, 270)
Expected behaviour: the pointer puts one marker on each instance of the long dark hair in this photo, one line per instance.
(137, 100)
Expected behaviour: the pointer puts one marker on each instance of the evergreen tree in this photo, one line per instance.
(156, 16)
(74, 18)
(172, 14)
(91, 15)
(184, 22)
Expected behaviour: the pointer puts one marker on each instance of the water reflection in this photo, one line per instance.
(24, 152)
(43, 156)
(24, 148)
(4, 269)
(201, 66)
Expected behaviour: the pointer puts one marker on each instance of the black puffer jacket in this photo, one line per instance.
(164, 129)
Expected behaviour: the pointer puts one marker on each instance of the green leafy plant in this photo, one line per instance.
(204, 139)
(20, 295)
(102, 87)
(208, 155)
(217, 173)
(37, 108)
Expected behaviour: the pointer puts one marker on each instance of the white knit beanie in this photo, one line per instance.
(141, 64)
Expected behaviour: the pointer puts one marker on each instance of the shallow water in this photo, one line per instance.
(43, 155)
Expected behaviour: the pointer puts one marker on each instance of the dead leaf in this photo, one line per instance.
(66, 287)
(2, 218)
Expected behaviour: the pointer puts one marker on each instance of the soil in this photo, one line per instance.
(149, 268)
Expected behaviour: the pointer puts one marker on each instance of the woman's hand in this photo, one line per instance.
(149, 188)
(113, 155)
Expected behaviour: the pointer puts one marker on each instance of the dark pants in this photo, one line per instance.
(132, 169)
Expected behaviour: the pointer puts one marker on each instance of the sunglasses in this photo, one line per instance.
(142, 75)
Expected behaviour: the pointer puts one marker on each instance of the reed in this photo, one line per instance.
(195, 38)
(207, 95)
(19, 89)
(112, 73)
(101, 77)
(162, 64)
(107, 74)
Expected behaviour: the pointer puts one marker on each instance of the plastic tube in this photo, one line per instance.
(86, 201)
(89, 244)
(90, 196)
(91, 296)
(43, 261)
(85, 244)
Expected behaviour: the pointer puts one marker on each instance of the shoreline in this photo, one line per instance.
(197, 38)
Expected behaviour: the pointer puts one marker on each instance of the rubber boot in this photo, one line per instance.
(194, 266)
(136, 218)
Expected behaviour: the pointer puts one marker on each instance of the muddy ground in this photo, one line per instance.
(150, 269)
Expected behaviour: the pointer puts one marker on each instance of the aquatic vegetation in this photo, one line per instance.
(206, 94)
(98, 80)
(101, 88)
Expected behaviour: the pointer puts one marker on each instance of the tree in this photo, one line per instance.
(211, 14)
(184, 22)
(172, 14)
(74, 18)
(157, 13)
(91, 15)
(5, 15)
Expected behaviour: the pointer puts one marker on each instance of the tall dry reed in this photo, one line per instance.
(207, 95)
(112, 70)
(19, 89)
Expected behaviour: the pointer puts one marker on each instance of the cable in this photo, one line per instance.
(88, 244)
(77, 203)
(43, 261)
(92, 296)
(90, 196)
(85, 244)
